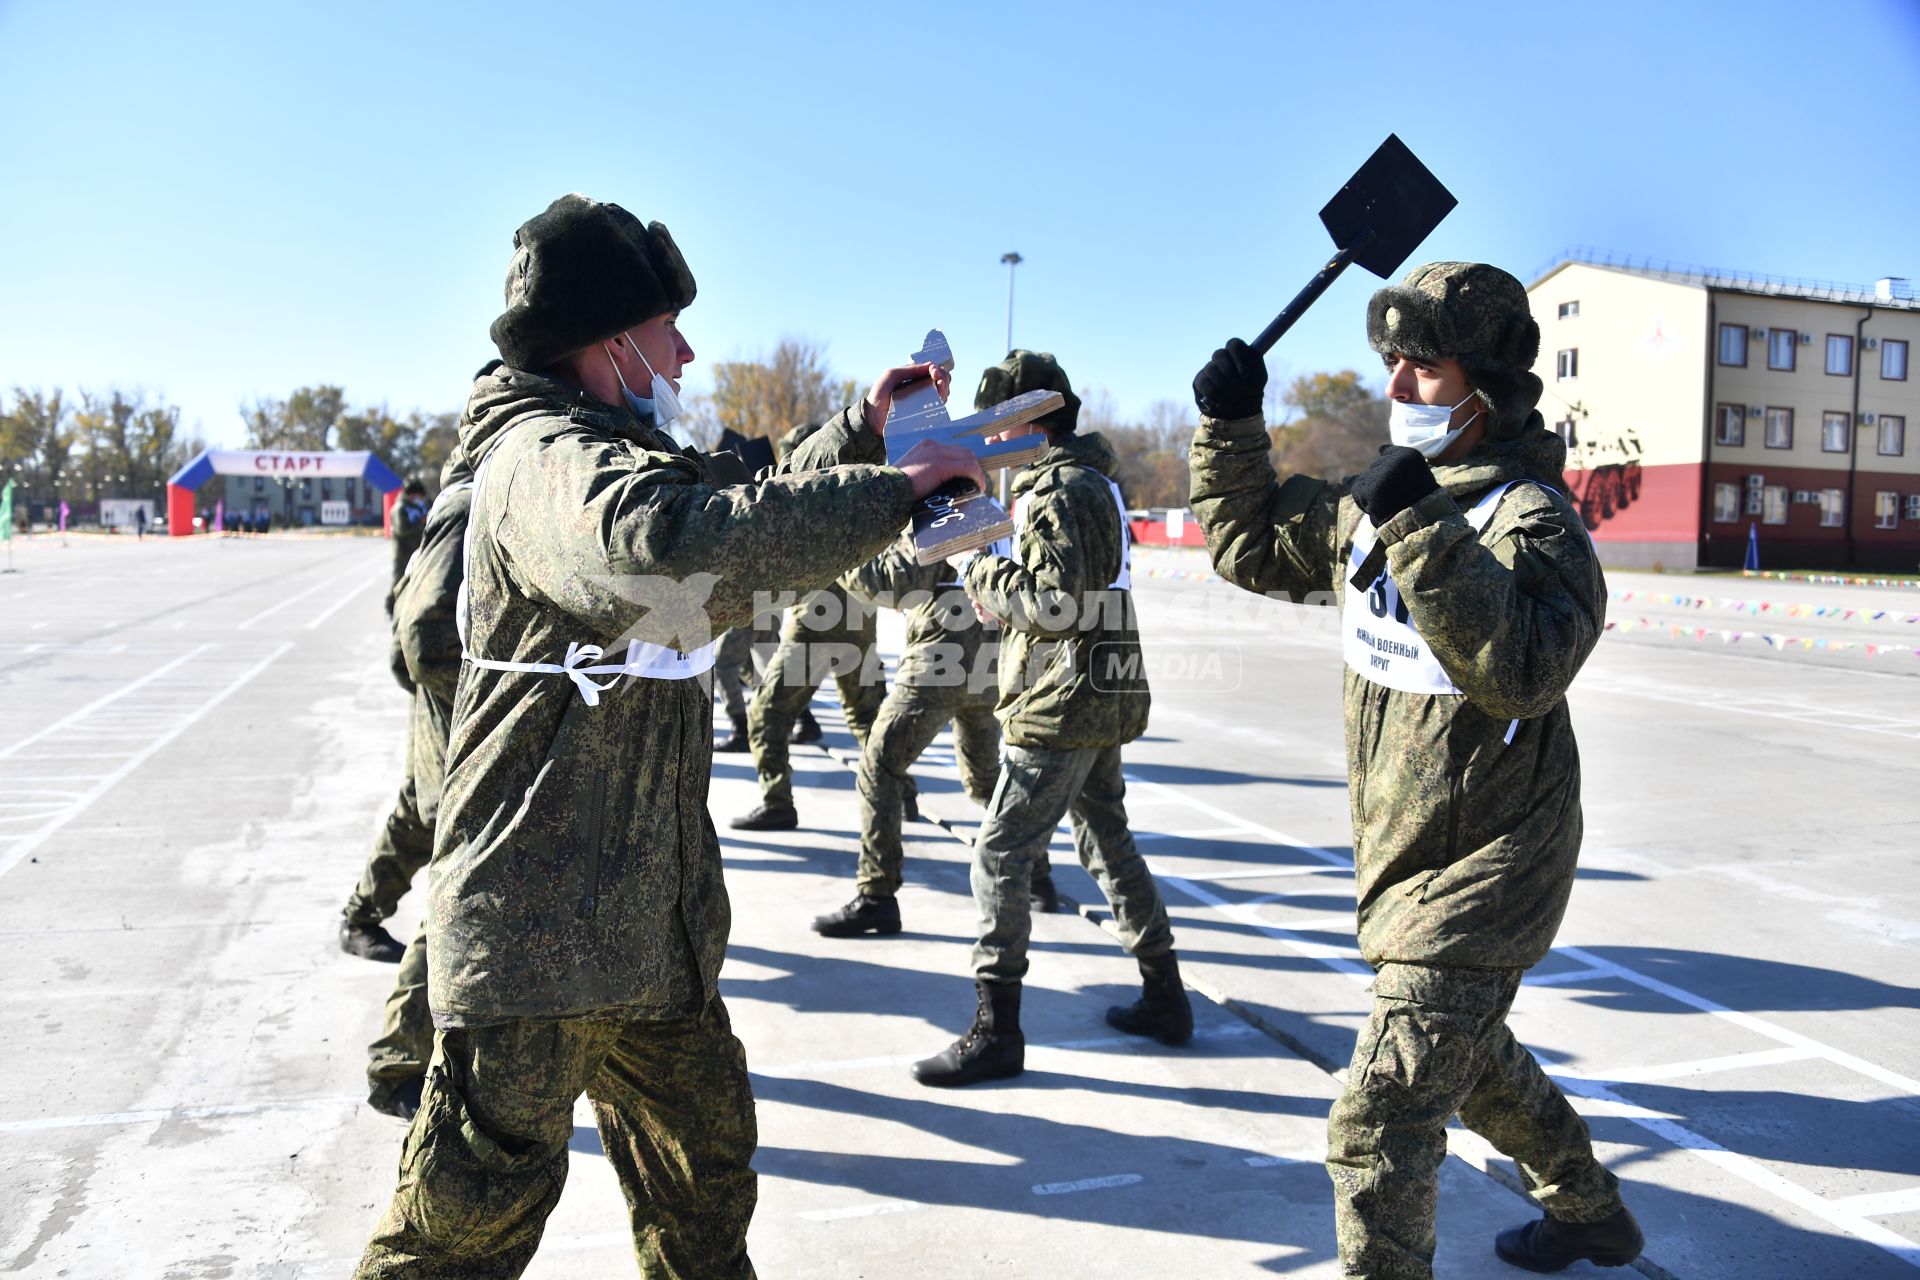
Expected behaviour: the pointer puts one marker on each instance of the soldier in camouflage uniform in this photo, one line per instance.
(733, 670)
(405, 842)
(408, 521)
(578, 915)
(945, 674)
(427, 637)
(1071, 693)
(1462, 770)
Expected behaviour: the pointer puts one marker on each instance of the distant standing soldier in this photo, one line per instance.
(426, 643)
(1462, 768)
(945, 674)
(733, 671)
(828, 634)
(409, 523)
(139, 523)
(579, 916)
(1064, 598)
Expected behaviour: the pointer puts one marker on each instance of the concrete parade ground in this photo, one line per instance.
(199, 738)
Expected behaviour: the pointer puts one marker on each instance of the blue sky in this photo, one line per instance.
(221, 202)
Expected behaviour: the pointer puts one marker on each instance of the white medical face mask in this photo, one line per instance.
(664, 406)
(1424, 426)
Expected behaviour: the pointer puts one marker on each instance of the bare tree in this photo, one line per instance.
(767, 397)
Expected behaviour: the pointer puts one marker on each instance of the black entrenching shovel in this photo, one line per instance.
(1390, 204)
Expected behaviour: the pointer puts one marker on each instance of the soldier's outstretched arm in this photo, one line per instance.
(1512, 614)
(895, 574)
(1263, 535)
(1043, 591)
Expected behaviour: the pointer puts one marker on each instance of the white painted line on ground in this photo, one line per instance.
(1704, 1066)
(1204, 834)
(1759, 1026)
(1748, 1170)
(1706, 701)
(104, 699)
(339, 604)
(860, 1211)
(291, 600)
(177, 1113)
(27, 844)
(1275, 1162)
(1338, 959)
(1881, 1204)
(1327, 856)
(1271, 873)
(1566, 977)
(1087, 1184)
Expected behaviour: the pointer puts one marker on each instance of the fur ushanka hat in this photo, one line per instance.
(1023, 371)
(582, 272)
(1473, 313)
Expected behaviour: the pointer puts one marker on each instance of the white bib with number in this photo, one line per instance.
(1380, 640)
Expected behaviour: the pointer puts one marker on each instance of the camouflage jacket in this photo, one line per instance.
(576, 870)
(1070, 671)
(1464, 843)
(427, 637)
(949, 652)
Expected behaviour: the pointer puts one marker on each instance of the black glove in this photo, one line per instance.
(1233, 383)
(1396, 480)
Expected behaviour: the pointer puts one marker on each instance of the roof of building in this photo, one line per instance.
(1892, 294)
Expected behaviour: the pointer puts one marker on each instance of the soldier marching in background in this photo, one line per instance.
(1071, 694)
(945, 674)
(1463, 773)
(426, 641)
(579, 917)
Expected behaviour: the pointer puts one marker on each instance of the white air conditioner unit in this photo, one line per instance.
(1868, 419)
(1758, 335)
(1913, 506)
(1756, 483)
(1755, 411)
(1871, 344)
(1805, 495)
(1753, 502)
(1806, 339)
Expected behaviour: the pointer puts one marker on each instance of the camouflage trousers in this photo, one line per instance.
(909, 720)
(404, 845)
(1036, 788)
(406, 1032)
(805, 658)
(734, 669)
(486, 1158)
(1435, 1046)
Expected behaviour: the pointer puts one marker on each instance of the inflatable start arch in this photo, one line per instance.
(280, 464)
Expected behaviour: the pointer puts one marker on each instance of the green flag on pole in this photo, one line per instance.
(6, 512)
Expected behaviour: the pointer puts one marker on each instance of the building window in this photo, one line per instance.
(1567, 432)
(1568, 310)
(1779, 428)
(1835, 431)
(259, 483)
(326, 489)
(1726, 503)
(1780, 345)
(1733, 345)
(1886, 510)
(1893, 436)
(1840, 355)
(1833, 508)
(351, 494)
(1568, 366)
(1773, 508)
(1730, 424)
(306, 488)
(1893, 360)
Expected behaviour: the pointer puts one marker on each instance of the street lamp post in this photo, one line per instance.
(1012, 260)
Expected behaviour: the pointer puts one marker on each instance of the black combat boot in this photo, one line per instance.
(1162, 1010)
(398, 1099)
(767, 817)
(738, 740)
(1042, 897)
(371, 942)
(808, 730)
(993, 1047)
(1550, 1244)
(862, 915)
